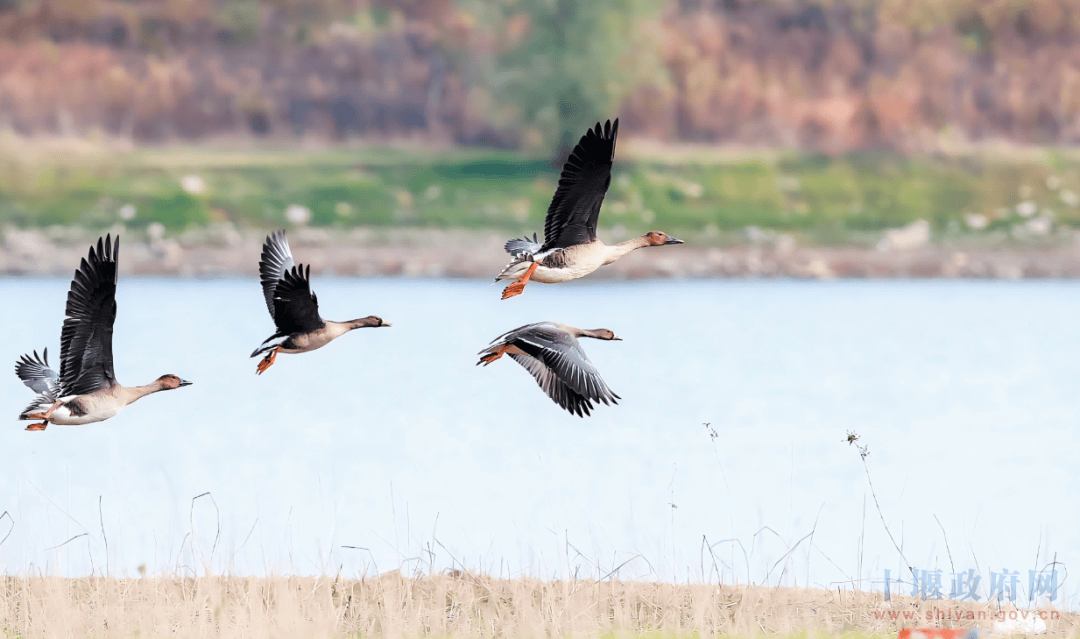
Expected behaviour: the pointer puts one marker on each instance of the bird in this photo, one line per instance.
(294, 307)
(551, 353)
(571, 249)
(85, 390)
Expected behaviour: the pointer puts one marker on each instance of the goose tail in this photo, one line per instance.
(265, 347)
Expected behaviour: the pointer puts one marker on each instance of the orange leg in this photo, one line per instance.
(40, 426)
(267, 361)
(491, 357)
(47, 414)
(517, 287)
(52, 409)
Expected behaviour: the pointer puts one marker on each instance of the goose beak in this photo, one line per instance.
(674, 240)
(184, 382)
(615, 338)
(385, 324)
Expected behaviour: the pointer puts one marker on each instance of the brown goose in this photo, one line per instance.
(85, 390)
(571, 249)
(552, 354)
(293, 307)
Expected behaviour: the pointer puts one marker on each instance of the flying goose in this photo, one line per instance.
(85, 390)
(294, 307)
(552, 354)
(570, 249)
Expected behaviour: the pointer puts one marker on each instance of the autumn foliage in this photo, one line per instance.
(828, 76)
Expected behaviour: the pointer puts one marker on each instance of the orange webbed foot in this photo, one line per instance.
(514, 289)
(517, 287)
(491, 357)
(267, 361)
(37, 426)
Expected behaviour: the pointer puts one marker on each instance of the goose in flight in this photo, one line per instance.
(85, 390)
(571, 249)
(552, 354)
(294, 307)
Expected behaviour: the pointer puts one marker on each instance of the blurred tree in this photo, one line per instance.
(562, 65)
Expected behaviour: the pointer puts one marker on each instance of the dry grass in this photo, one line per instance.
(446, 605)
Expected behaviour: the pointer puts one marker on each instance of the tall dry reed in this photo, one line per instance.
(453, 605)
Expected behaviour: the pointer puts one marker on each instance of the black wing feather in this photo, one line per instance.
(37, 375)
(561, 352)
(276, 260)
(296, 309)
(553, 386)
(556, 360)
(520, 245)
(86, 353)
(575, 208)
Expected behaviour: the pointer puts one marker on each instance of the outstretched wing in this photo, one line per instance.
(508, 337)
(520, 245)
(561, 352)
(275, 261)
(86, 354)
(34, 371)
(296, 309)
(561, 369)
(575, 208)
(552, 386)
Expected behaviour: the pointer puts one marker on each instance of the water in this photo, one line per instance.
(391, 440)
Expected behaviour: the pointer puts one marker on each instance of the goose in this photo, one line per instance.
(571, 249)
(294, 307)
(85, 390)
(552, 354)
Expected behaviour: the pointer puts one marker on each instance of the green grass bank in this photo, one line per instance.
(709, 195)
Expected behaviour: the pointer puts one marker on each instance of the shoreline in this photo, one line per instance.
(472, 255)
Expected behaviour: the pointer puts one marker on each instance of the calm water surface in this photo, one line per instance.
(391, 439)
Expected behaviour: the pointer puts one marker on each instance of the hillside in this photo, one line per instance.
(826, 77)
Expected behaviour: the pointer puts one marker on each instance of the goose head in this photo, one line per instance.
(659, 238)
(171, 382)
(371, 321)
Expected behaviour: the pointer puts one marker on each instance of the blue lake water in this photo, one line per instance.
(391, 440)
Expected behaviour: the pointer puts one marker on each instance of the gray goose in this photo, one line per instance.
(571, 249)
(294, 307)
(85, 390)
(552, 354)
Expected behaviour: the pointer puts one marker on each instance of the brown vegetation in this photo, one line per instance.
(202, 85)
(850, 77)
(828, 76)
(452, 605)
